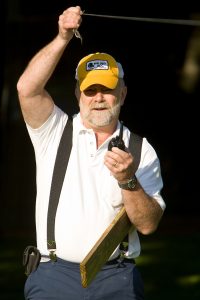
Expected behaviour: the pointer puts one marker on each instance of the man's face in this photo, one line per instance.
(99, 105)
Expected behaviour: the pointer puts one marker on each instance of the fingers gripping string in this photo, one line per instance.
(77, 33)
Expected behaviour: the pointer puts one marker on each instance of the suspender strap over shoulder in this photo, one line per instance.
(60, 167)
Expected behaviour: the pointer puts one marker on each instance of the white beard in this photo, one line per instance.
(100, 118)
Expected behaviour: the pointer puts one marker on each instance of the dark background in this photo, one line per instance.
(161, 103)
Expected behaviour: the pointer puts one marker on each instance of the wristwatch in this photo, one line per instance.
(129, 185)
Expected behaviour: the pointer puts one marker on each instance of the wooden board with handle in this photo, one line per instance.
(104, 247)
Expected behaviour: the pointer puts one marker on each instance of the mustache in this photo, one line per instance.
(99, 106)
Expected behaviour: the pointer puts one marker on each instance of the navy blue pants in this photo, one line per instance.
(61, 281)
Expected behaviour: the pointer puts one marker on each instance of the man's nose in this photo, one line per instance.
(99, 95)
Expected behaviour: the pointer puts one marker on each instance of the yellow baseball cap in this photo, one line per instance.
(98, 68)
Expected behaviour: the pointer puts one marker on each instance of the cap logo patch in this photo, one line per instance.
(97, 65)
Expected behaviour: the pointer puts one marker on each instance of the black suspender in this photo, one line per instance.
(135, 146)
(60, 167)
(59, 171)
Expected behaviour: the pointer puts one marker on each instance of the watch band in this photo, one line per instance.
(129, 185)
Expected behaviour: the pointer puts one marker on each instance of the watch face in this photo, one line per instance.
(130, 185)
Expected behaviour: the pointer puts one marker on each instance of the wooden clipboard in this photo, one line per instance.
(104, 247)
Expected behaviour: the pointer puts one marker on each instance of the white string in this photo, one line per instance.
(78, 35)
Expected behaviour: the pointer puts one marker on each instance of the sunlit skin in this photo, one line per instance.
(100, 106)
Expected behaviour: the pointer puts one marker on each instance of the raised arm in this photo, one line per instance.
(36, 103)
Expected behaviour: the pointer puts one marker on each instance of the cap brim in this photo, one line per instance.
(101, 77)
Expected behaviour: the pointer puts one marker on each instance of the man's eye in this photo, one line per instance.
(106, 90)
(90, 91)
(93, 91)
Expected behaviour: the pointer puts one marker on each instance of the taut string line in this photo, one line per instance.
(152, 20)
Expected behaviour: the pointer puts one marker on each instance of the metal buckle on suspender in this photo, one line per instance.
(52, 255)
(52, 250)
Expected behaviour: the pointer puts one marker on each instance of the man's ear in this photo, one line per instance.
(123, 95)
(77, 92)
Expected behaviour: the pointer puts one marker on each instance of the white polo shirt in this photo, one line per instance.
(90, 196)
